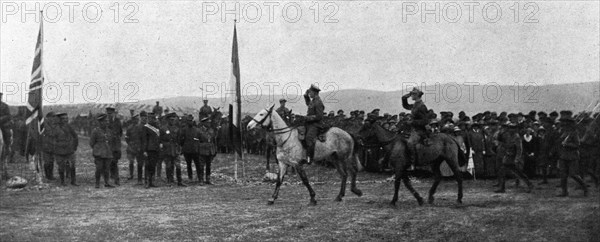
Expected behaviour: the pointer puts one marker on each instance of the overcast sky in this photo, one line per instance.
(176, 48)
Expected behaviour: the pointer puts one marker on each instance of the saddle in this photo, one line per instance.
(321, 136)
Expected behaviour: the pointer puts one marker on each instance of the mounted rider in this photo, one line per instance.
(419, 123)
(283, 112)
(314, 117)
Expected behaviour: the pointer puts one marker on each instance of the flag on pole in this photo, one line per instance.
(34, 99)
(236, 107)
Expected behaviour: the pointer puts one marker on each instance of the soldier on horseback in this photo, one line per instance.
(314, 117)
(419, 122)
(283, 111)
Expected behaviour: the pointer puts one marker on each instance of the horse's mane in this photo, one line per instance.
(384, 135)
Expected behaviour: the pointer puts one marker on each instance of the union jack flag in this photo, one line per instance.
(34, 99)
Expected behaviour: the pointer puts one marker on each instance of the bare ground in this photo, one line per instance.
(238, 212)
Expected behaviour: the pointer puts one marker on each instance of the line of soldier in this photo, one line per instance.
(511, 141)
(150, 143)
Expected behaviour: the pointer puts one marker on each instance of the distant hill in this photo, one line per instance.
(448, 97)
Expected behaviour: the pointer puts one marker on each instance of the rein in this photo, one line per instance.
(270, 128)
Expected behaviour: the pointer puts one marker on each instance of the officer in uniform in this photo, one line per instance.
(207, 150)
(169, 142)
(157, 110)
(65, 141)
(151, 147)
(189, 139)
(132, 138)
(569, 153)
(101, 149)
(115, 126)
(205, 111)
(283, 111)
(314, 117)
(50, 124)
(136, 138)
(419, 123)
(513, 154)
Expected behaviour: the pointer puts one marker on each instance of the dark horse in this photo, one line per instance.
(443, 148)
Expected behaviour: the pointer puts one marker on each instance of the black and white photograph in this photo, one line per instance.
(311, 120)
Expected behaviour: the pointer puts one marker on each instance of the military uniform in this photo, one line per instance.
(134, 152)
(205, 112)
(115, 126)
(568, 158)
(65, 142)
(420, 119)
(157, 110)
(102, 151)
(283, 111)
(47, 146)
(151, 146)
(207, 150)
(169, 140)
(314, 117)
(189, 139)
(512, 154)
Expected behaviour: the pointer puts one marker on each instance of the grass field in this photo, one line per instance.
(238, 211)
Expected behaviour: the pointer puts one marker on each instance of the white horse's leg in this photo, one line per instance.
(282, 170)
(304, 178)
(342, 170)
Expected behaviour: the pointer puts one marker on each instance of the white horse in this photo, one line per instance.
(339, 147)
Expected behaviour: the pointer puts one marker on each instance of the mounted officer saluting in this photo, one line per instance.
(314, 117)
(419, 122)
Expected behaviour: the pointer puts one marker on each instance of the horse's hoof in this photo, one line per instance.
(270, 202)
(420, 201)
(430, 200)
(459, 201)
(337, 199)
(313, 203)
(393, 204)
(357, 191)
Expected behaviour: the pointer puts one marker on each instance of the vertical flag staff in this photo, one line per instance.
(235, 109)
(35, 117)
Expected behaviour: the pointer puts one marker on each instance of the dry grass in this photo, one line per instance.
(229, 211)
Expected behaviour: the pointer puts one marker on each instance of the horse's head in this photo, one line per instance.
(262, 118)
(373, 132)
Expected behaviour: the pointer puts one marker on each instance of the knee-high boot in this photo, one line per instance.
(131, 167)
(73, 180)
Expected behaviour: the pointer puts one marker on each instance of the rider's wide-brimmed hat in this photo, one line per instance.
(314, 88)
(416, 91)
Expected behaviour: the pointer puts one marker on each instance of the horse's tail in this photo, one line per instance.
(355, 149)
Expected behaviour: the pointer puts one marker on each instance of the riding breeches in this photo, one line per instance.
(312, 131)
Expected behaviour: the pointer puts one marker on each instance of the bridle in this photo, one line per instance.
(270, 128)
